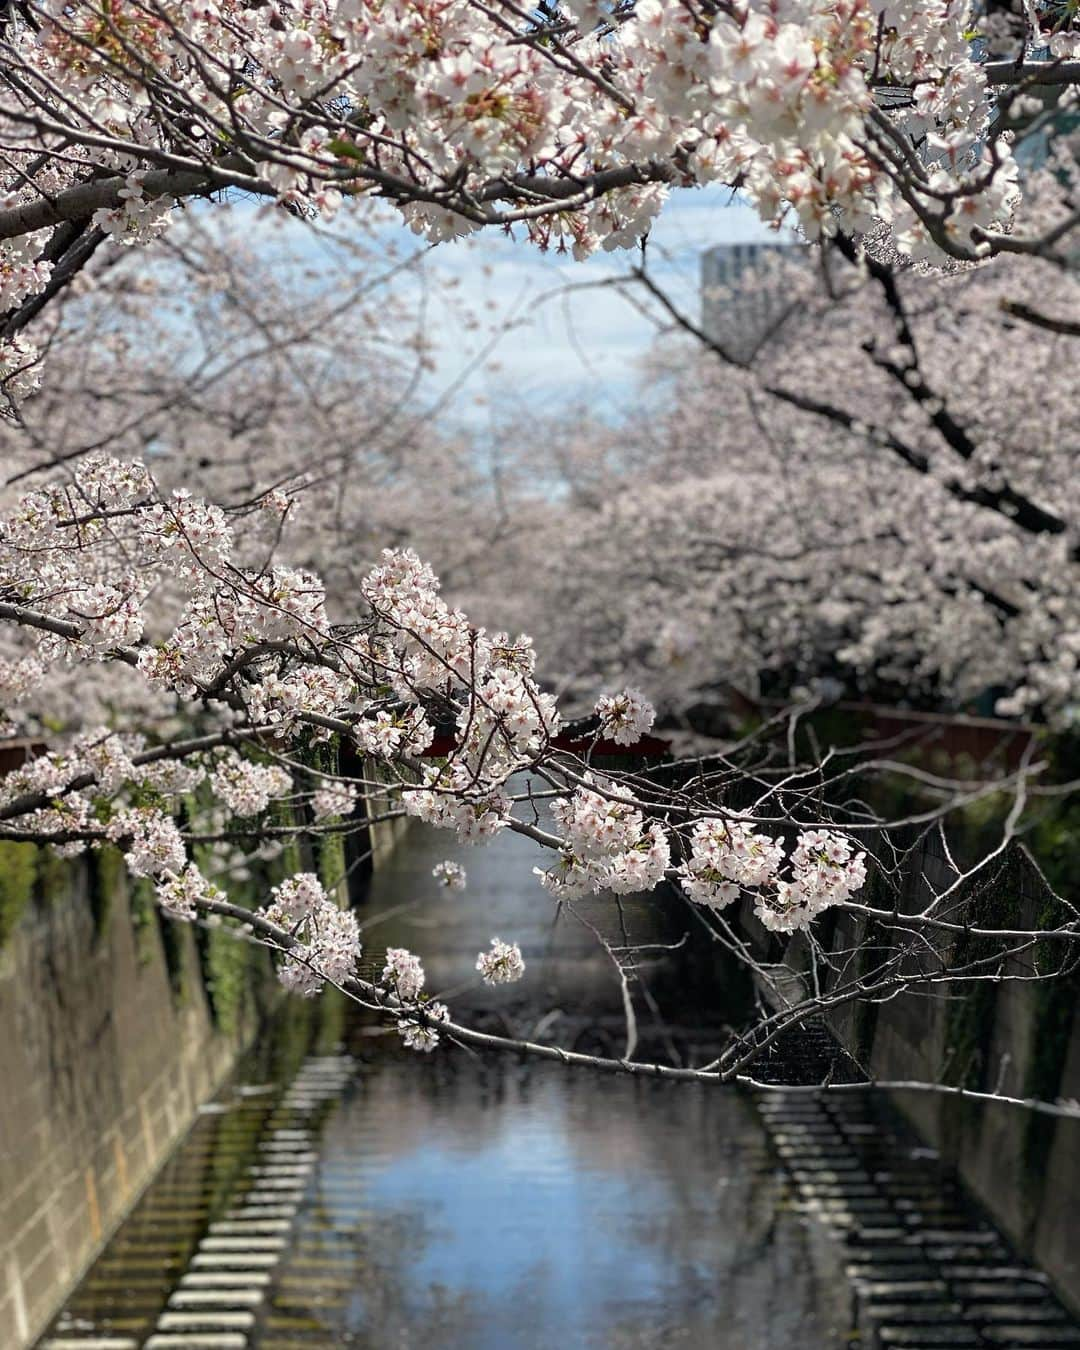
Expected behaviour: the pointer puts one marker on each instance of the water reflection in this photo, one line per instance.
(526, 1207)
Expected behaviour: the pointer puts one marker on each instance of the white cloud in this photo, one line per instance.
(571, 334)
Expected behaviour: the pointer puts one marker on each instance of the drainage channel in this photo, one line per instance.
(927, 1269)
(226, 1201)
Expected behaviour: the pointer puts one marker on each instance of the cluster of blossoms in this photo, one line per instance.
(452, 799)
(390, 735)
(403, 973)
(503, 964)
(730, 857)
(110, 616)
(281, 701)
(20, 374)
(427, 642)
(507, 720)
(449, 874)
(105, 787)
(327, 937)
(22, 271)
(725, 856)
(333, 799)
(183, 895)
(282, 606)
(626, 717)
(63, 554)
(154, 842)
(404, 976)
(825, 871)
(422, 1035)
(189, 527)
(247, 787)
(172, 778)
(87, 553)
(137, 219)
(426, 646)
(606, 846)
(461, 115)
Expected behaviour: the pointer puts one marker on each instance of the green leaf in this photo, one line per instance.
(346, 150)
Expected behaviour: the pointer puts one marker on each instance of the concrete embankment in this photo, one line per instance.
(116, 1031)
(1016, 1037)
(118, 1025)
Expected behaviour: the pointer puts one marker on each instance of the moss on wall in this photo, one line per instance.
(969, 1026)
(333, 1006)
(228, 978)
(328, 853)
(172, 944)
(231, 968)
(29, 872)
(1052, 1027)
(291, 858)
(18, 875)
(144, 921)
(331, 853)
(1055, 1002)
(54, 876)
(107, 874)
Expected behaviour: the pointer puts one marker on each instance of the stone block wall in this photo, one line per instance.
(109, 1046)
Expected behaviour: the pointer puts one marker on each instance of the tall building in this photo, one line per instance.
(746, 289)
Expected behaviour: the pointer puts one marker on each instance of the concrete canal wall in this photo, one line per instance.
(116, 1026)
(1015, 1038)
(115, 1031)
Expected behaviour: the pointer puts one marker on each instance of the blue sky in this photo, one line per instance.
(570, 337)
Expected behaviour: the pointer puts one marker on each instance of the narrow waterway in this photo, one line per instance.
(352, 1193)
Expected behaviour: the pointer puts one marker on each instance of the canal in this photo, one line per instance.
(345, 1192)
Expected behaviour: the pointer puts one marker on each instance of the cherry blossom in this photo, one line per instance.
(20, 375)
(247, 787)
(626, 717)
(503, 964)
(855, 513)
(182, 896)
(606, 845)
(423, 1036)
(826, 870)
(326, 942)
(450, 875)
(842, 115)
(152, 842)
(403, 973)
(726, 856)
(334, 799)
